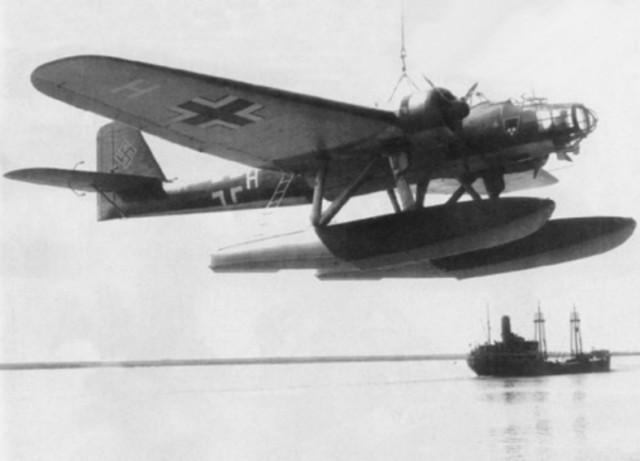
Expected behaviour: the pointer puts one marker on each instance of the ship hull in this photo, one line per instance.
(514, 365)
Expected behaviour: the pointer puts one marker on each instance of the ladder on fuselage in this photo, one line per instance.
(281, 190)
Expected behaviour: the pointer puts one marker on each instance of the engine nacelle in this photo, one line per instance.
(430, 109)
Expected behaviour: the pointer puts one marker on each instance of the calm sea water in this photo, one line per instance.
(371, 411)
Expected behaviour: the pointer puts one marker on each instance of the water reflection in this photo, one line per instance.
(513, 440)
(579, 399)
(543, 427)
(369, 411)
(514, 390)
(580, 426)
(530, 415)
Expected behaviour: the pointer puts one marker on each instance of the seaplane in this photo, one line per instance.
(307, 150)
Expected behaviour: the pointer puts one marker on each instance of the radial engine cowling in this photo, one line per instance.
(430, 109)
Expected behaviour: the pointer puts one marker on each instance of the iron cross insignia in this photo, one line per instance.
(228, 112)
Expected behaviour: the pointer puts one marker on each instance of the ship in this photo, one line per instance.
(515, 356)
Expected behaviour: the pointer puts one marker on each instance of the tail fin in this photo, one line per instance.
(122, 150)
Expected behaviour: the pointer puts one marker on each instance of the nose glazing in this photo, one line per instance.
(584, 119)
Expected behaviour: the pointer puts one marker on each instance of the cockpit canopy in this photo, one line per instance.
(558, 117)
(574, 120)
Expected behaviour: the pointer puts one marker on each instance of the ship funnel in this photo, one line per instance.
(506, 328)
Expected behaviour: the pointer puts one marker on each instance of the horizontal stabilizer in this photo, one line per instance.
(85, 181)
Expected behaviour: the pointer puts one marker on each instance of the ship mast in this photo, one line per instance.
(488, 327)
(540, 334)
(576, 336)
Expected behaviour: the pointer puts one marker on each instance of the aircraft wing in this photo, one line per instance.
(258, 126)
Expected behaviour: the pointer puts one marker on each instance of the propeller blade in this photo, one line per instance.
(429, 81)
(470, 92)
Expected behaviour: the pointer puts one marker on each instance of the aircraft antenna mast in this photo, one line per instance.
(403, 57)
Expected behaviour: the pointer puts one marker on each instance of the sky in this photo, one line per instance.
(76, 289)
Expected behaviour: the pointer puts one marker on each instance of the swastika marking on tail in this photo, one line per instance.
(124, 155)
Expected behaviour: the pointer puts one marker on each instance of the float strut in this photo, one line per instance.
(394, 200)
(421, 192)
(465, 186)
(399, 164)
(343, 198)
(318, 192)
(456, 196)
(468, 188)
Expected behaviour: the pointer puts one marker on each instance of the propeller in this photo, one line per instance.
(453, 109)
(470, 92)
